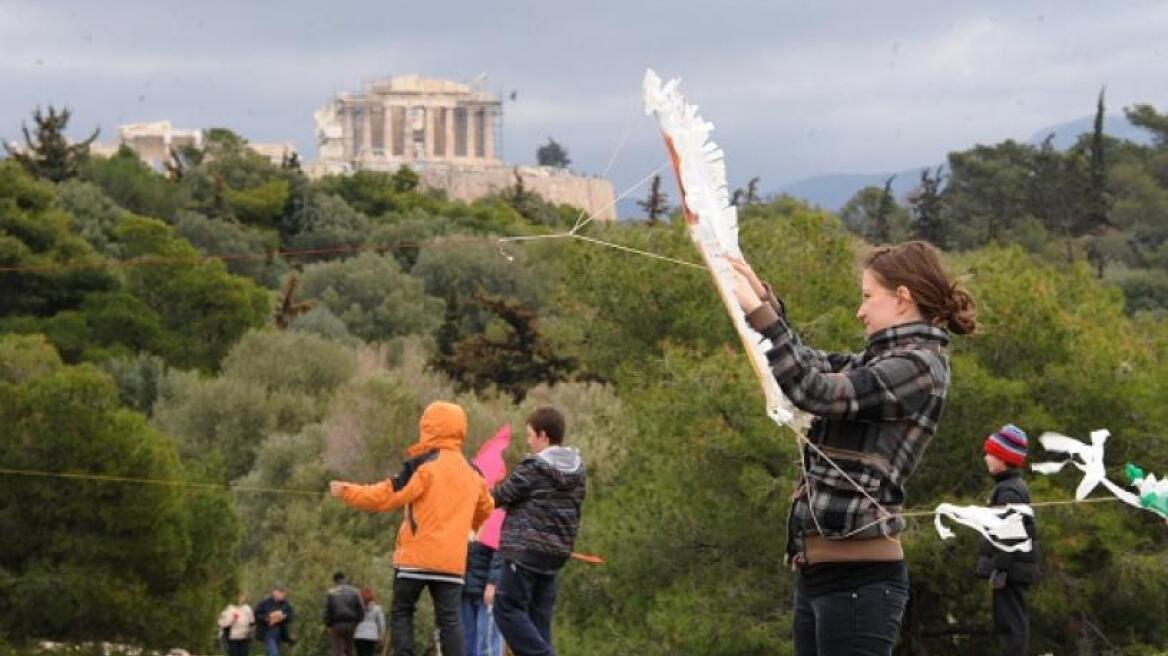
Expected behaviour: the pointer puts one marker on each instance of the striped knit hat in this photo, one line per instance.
(1008, 444)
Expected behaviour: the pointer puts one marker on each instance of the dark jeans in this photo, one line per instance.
(479, 631)
(860, 622)
(238, 647)
(272, 642)
(366, 647)
(341, 638)
(523, 610)
(447, 598)
(1011, 622)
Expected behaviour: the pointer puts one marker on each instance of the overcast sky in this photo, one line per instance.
(795, 88)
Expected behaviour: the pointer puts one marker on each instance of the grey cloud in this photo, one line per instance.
(795, 88)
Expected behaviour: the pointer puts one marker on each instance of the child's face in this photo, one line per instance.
(994, 464)
(536, 441)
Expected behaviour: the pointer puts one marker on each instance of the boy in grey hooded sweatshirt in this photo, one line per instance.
(543, 496)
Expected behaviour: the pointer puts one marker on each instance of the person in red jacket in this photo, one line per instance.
(444, 499)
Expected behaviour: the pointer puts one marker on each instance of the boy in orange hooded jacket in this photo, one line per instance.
(444, 499)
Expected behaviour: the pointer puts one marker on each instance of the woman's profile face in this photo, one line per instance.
(880, 306)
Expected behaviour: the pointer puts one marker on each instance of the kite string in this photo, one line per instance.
(611, 160)
(110, 478)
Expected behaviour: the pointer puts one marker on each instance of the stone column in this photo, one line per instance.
(449, 133)
(489, 129)
(471, 132)
(367, 133)
(428, 131)
(347, 147)
(388, 118)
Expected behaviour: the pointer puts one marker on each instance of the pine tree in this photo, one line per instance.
(1146, 117)
(927, 208)
(752, 191)
(656, 205)
(49, 154)
(1097, 197)
(881, 221)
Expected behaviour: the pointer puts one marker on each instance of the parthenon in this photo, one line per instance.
(408, 120)
(447, 132)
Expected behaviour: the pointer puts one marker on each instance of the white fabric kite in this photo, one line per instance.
(1088, 458)
(712, 222)
(995, 524)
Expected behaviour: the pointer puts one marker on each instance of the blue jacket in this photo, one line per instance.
(483, 566)
(263, 609)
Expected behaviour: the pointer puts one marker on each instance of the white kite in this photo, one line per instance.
(997, 525)
(1088, 458)
(712, 222)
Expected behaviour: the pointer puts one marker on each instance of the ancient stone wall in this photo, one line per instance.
(592, 194)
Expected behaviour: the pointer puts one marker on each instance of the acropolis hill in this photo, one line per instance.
(449, 133)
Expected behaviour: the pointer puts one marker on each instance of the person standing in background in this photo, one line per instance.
(371, 631)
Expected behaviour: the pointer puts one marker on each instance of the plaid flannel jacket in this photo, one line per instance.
(876, 412)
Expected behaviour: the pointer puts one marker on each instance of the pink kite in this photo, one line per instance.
(489, 460)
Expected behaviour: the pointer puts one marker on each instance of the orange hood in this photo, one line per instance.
(442, 426)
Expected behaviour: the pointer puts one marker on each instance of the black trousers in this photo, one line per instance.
(523, 610)
(1011, 621)
(447, 598)
(860, 622)
(366, 647)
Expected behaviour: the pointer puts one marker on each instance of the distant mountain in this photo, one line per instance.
(1066, 134)
(832, 191)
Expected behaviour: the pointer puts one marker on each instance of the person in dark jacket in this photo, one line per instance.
(343, 611)
(543, 496)
(273, 618)
(1010, 573)
(484, 567)
(875, 413)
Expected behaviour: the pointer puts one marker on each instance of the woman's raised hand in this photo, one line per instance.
(747, 299)
(742, 268)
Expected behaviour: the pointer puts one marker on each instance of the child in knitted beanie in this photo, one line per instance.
(1010, 573)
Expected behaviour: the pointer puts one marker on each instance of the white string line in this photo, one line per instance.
(811, 493)
(618, 198)
(637, 251)
(611, 160)
(572, 232)
(1036, 504)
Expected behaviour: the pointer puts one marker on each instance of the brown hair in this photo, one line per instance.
(917, 265)
(367, 595)
(550, 422)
